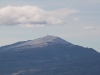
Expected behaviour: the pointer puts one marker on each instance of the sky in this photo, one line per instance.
(76, 21)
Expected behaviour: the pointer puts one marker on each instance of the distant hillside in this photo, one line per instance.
(49, 55)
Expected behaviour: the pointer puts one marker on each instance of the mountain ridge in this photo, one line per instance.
(39, 42)
(17, 59)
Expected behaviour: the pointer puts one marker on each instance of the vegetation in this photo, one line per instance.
(56, 59)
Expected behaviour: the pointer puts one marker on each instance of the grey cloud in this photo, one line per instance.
(25, 15)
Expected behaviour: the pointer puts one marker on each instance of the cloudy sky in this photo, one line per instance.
(77, 21)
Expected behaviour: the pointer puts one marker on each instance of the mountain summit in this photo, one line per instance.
(44, 41)
(40, 42)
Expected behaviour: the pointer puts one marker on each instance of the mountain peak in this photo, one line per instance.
(48, 37)
(40, 42)
(44, 41)
(52, 39)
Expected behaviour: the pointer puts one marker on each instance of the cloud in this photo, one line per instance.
(76, 19)
(88, 27)
(32, 15)
(78, 31)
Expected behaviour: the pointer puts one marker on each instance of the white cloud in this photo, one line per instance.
(76, 19)
(88, 27)
(31, 26)
(77, 31)
(32, 15)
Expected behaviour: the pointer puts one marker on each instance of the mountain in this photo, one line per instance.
(45, 56)
(38, 43)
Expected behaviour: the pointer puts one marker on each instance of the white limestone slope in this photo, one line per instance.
(41, 42)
